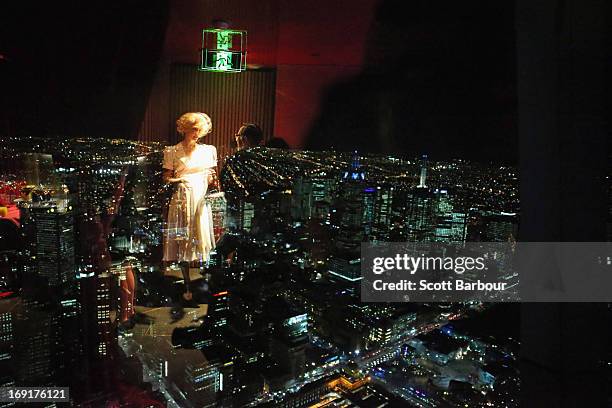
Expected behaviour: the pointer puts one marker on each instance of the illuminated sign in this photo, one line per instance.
(223, 50)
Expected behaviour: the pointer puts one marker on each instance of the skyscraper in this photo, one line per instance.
(9, 307)
(48, 229)
(423, 175)
(289, 336)
(353, 217)
(420, 215)
(451, 221)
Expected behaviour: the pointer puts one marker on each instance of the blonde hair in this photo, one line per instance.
(190, 119)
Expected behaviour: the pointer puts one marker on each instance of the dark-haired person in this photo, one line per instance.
(249, 135)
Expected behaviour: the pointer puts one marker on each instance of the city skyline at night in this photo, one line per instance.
(288, 305)
(306, 204)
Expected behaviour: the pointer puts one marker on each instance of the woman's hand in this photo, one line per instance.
(170, 178)
(212, 177)
(167, 174)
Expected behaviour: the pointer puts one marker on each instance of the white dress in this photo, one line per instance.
(189, 234)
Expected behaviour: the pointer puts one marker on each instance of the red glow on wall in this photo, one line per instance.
(312, 45)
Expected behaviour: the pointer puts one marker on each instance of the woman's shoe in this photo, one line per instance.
(127, 325)
(187, 300)
(177, 312)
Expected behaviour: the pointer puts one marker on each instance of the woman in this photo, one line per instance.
(189, 238)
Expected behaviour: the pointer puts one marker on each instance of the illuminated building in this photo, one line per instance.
(69, 311)
(97, 294)
(403, 324)
(420, 215)
(103, 318)
(369, 210)
(243, 319)
(49, 232)
(311, 198)
(348, 269)
(289, 337)
(308, 396)
(204, 381)
(423, 175)
(380, 334)
(451, 224)
(382, 214)
(492, 226)
(501, 227)
(354, 216)
(11, 255)
(218, 205)
(39, 356)
(9, 307)
(339, 390)
(210, 383)
(246, 214)
(218, 309)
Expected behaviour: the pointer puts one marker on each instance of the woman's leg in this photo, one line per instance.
(128, 286)
(131, 286)
(185, 270)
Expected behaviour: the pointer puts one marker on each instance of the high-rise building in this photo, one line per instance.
(420, 215)
(69, 310)
(38, 356)
(353, 216)
(311, 198)
(451, 222)
(96, 294)
(9, 308)
(210, 383)
(380, 231)
(289, 336)
(491, 226)
(247, 213)
(218, 204)
(11, 256)
(423, 175)
(219, 309)
(48, 229)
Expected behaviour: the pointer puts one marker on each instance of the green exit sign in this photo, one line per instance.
(223, 50)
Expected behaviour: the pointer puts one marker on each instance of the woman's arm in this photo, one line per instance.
(166, 175)
(212, 177)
